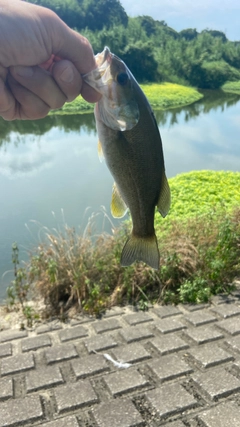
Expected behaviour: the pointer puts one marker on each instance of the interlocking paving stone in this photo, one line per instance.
(232, 325)
(226, 310)
(89, 365)
(237, 364)
(169, 367)
(118, 413)
(63, 422)
(176, 424)
(99, 343)
(170, 399)
(18, 363)
(125, 381)
(6, 388)
(114, 311)
(193, 307)
(55, 326)
(12, 334)
(210, 355)
(201, 317)
(169, 325)
(5, 350)
(224, 415)
(234, 343)
(166, 311)
(169, 344)
(217, 383)
(131, 353)
(136, 333)
(134, 319)
(72, 333)
(222, 299)
(78, 320)
(173, 355)
(106, 325)
(19, 411)
(60, 353)
(204, 334)
(43, 378)
(35, 343)
(76, 395)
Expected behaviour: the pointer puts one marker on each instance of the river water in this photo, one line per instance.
(50, 172)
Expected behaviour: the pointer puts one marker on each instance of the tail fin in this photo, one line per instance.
(141, 249)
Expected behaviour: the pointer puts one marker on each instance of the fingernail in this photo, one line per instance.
(23, 71)
(67, 75)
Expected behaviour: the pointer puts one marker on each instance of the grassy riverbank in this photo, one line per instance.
(232, 87)
(199, 244)
(160, 96)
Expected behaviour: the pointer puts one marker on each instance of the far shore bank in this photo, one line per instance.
(161, 96)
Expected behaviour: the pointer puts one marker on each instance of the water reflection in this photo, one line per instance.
(212, 101)
(50, 164)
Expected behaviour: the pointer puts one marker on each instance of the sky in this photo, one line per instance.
(223, 15)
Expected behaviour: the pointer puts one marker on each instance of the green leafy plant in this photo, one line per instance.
(19, 288)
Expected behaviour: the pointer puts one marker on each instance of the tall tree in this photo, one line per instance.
(104, 13)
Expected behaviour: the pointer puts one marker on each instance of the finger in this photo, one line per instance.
(70, 81)
(89, 94)
(41, 83)
(67, 43)
(28, 106)
(67, 78)
(3, 73)
(7, 102)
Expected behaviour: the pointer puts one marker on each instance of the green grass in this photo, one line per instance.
(199, 244)
(233, 87)
(160, 96)
(169, 95)
(77, 106)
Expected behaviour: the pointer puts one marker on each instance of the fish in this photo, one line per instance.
(130, 143)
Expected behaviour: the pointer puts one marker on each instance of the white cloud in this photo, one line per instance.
(15, 164)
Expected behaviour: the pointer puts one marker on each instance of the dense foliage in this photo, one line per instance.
(199, 192)
(152, 50)
(93, 14)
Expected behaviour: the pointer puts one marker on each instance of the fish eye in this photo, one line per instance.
(122, 78)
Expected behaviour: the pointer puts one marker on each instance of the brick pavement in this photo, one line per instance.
(184, 369)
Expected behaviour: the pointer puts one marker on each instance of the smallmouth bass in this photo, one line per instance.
(130, 142)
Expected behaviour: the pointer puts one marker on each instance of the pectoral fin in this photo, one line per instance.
(164, 200)
(100, 152)
(118, 206)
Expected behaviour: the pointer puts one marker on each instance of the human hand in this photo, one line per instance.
(41, 62)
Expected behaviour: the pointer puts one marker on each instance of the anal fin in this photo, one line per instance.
(164, 200)
(100, 152)
(118, 206)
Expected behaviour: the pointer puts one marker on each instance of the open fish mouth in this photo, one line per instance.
(103, 60)
(118, 108)
(105, 55)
